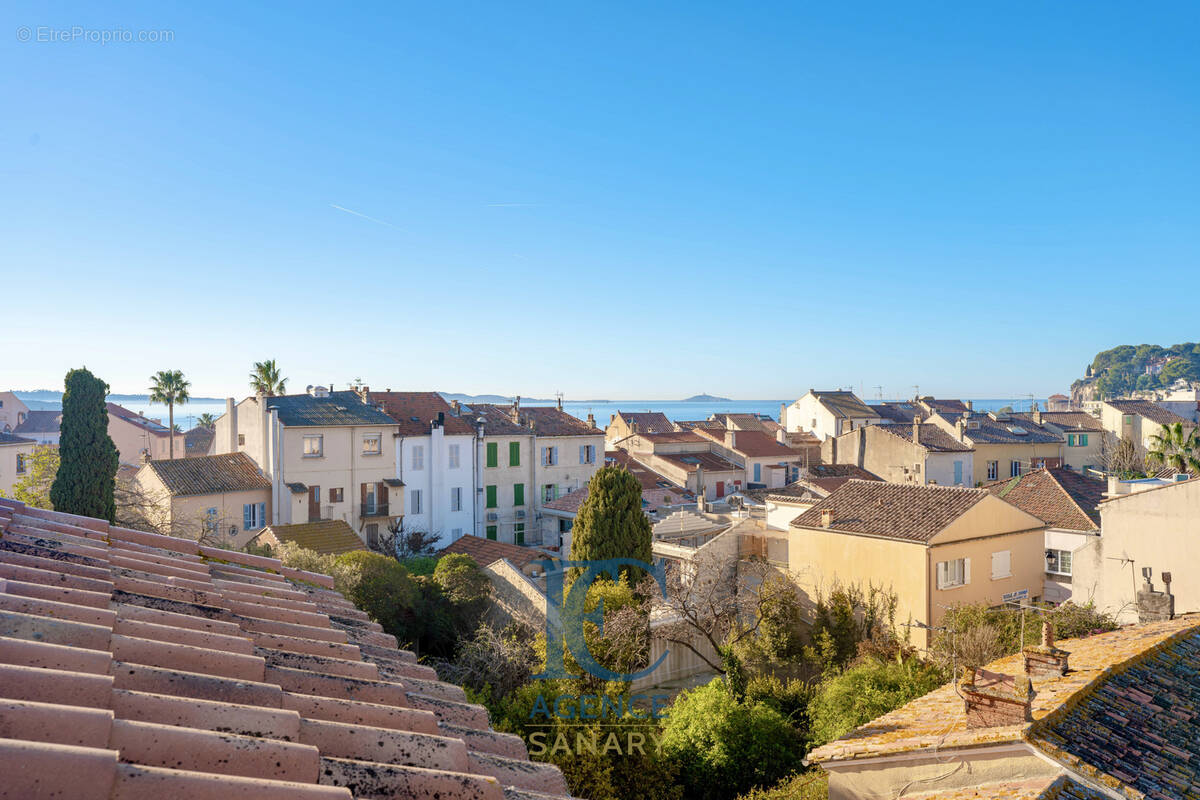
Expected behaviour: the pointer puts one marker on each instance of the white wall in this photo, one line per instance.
(939, 468)
(435, 480)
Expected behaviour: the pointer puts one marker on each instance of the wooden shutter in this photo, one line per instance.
(247, 512)
(519, 494)
(514, 454)
(362, 495)
(262, 515)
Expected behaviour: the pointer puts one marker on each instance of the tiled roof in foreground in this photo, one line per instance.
(137, 666)
(938, 720)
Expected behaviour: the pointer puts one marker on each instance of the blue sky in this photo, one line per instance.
(608, 200)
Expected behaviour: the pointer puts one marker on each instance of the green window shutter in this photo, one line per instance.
(1083, 440)
(491, 496)
(519, 533)
(514, 454)
(1070, 440)
(492, 457)
(519, 494)
(491, 532)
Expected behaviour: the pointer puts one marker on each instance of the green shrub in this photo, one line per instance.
(964, 621)
(381, 587)
(420, 565)
(865, 691)
(724, 747)
(789, 696)
(812, 785)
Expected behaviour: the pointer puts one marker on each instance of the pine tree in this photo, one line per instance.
(611, 523)
(87, 473)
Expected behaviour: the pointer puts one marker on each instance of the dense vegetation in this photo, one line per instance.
(86, 479)
(1122, 369)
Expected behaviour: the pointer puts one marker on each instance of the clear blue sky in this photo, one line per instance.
(617, 200)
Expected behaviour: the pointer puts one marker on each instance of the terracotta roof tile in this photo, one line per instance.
(488, 551)
(230, 472)
(531, 420)
(932, 437)
(413, 412)
(1151, 411)
(1059, 497)
(751, 444)
(134, 418)
(328, 536)
(40, 422)
(335, 409)
(897, 511)
(134, 665)
(647, 421)
(10, 438)
(1068, 420)
(844, 404)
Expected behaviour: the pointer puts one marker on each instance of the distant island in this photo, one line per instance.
(706, 398)
(51, 400)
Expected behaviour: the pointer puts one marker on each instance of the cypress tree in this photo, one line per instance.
(610, 522)
(87, 474)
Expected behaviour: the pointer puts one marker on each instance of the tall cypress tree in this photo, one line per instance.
(87, 474)
(610, 522)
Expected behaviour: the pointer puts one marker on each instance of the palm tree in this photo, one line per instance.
(265, 379)
(206, 420)
(169, 387)
(1172, 447)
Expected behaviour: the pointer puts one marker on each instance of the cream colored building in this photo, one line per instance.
(1138, 420)
(827, 413)
(916, 452)
(624, 424)
(138, 438)
(223, 498)
(16, 454)
(530, 456)
(934, 546)
(1005, 445)
(1082, 433)
(1156, 528)
(12, 412)
(327, 455)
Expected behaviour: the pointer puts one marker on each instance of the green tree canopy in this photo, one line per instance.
(33, 489)
(865, 691)
(266, 378)
(169, 388)
(611, 523)
(86, 478)
(1176, 447)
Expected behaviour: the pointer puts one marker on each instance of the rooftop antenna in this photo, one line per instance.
(916, 389)
(878, 392)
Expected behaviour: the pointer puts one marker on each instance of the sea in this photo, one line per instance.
(187, 414)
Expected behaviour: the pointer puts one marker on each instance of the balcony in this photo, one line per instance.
(374, 510)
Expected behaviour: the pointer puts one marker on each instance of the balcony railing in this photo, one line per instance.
(376, 510)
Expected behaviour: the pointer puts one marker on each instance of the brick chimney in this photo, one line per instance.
(916, 429)
(826, 517)
(993, 700)
(1155, 606)
(1045, 660)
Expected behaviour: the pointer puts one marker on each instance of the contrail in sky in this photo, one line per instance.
(364, 216)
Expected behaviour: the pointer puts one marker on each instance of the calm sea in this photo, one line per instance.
(186, 415)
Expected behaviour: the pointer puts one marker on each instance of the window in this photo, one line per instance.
(953, 573)
(241, 439)
(314, 446)
(210, 520)
(490, 491)
(490, 532)
(22, 463)
(414, 501)
(456, 498)
(518, 494)
(549, 456)
(254, 516)
(1127, 419)
(587, 454)
(418, 456)
(493, 456)
(336, 496)
(373, 536)
(368, 496)
(372, 444)
(1070, 440)
(1001, 565)
(548, 493)
(519, 533)
(993, 470)
(1083, 440)
(456, 533)
(1058, 562)
(1015, 469)
(452, 457)
(514, 454)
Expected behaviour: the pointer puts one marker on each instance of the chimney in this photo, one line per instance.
(826, 517)
(633, 427)
(515, 410)
(1045, 660)
(591, 420)
(916, 429)
(231, 419)
(960, 427)
(1154, 606)
(731, 439)
(560, 402)
(455, 407)
(970, 404)
(441, 419)
(993, 699)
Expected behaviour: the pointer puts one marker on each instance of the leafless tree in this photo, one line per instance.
(1121, 455)
(503, 658)
(404, 543)
(142, 510)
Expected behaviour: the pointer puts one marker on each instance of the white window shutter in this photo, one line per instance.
(966, 571)
(941, 574)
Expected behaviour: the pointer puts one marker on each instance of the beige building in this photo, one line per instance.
(327, 455)
(766, 462)
(916, 452)
(221, 498)
(1138, 420)
(1082, 433)
(12, 412)
(826, 414)
(935, 546)
(330, 537)
(16, 454)
(1005, 445)
(531, 456)
(624, 424)
(1155, 528)
(138, 438)
(686, 460)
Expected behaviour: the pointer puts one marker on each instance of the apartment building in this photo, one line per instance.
(766, 462)
(686, 459)
(827, 413)
(436, 461)
(44, 427)
(1138, 420)
(16, 454)
(1005, 445)
(624, 424)
(531, 456)
(1082, 433)
(326, 454)
(138, 437)
(917, 452)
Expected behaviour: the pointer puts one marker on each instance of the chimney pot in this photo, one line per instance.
(970, 405)
(591, 419)
(916, 429)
